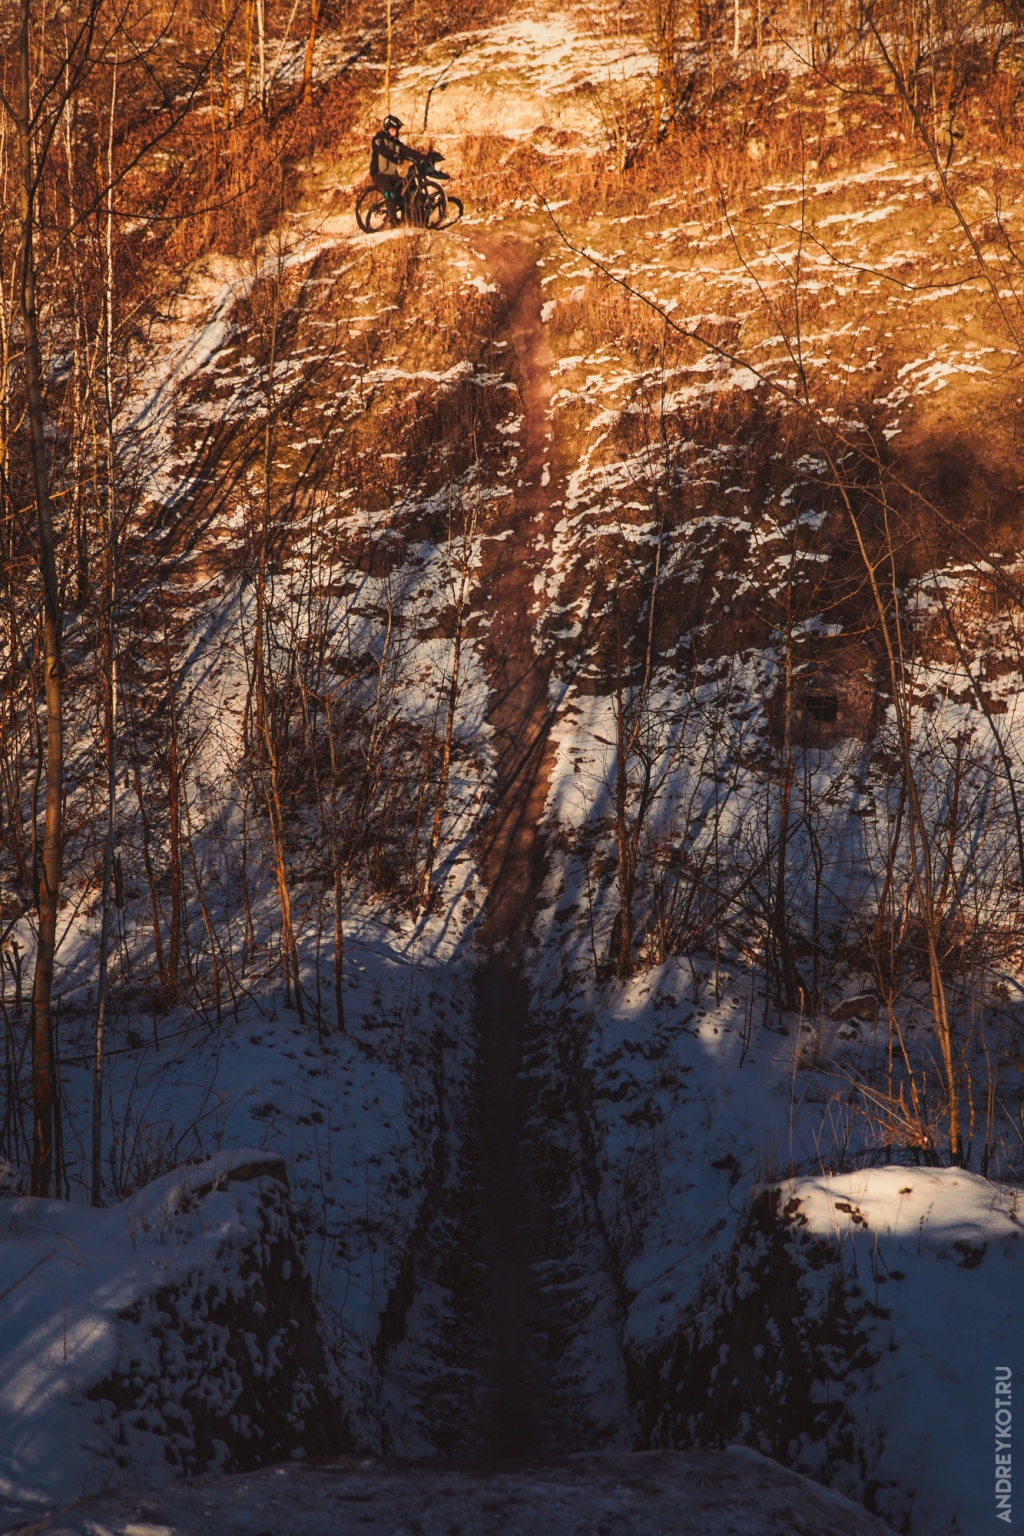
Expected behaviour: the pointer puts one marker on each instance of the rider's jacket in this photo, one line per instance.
(386, 155)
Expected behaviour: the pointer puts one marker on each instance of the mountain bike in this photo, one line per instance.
(422, 202)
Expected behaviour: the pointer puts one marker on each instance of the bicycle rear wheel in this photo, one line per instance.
(435, 207)
(455, 210)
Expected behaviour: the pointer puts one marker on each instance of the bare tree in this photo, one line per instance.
(35, 127)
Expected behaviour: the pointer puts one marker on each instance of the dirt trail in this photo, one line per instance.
(513, 869)
(502, 1337)
(541, 1257)
(520, 712)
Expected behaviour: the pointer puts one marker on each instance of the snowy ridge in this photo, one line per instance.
(77, 1287)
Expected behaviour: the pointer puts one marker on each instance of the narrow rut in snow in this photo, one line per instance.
(504, 1340)
(519, 714)
(557, 1381)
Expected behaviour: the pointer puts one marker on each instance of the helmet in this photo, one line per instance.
(392, 122)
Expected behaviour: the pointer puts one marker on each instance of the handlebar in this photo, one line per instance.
(427, 165)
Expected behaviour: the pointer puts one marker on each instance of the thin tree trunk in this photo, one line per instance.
(102, 985)
(147, 859)
(339, 922)
(307, 67)
(339, 942)
(247, 82)
(248, 927)
(626, 865)
(262, 50)
(270, 767)
(211, 937)
(449, 726)
(110, 675)
(629, 840)
(921, 873)
(225, 72)
(50, 864)
(780, 922)
(387, 66)
(174, 815)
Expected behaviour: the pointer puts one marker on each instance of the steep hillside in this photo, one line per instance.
(554, 685)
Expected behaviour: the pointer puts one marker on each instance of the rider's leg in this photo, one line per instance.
(391, 186)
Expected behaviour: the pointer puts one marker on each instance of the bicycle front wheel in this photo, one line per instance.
(371, 211)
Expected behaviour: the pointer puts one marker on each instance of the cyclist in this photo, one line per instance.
(386, 155)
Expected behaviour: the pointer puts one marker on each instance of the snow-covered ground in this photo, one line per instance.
(737, 1494)
(116, 1330)
(936, 1254)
